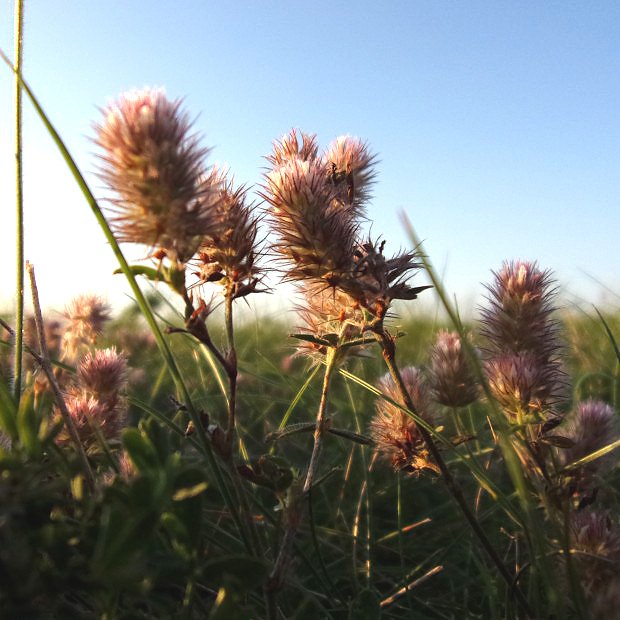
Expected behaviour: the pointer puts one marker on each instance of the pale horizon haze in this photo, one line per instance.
(496, 124)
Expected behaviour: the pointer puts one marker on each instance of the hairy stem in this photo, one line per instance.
(19, 206)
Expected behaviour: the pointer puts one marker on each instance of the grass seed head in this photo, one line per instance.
(86, 317)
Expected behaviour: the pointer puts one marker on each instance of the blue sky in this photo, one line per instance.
(496, 123)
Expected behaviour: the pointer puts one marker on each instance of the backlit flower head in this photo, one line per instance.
(103, 374)
(396, 435)
(520, 383)
(154, 164)
(86, 317)
(316, 239)
(451, 378)
(292, 146)
(350, 168)
(228, 254)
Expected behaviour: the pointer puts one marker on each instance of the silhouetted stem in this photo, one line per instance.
(389, 355)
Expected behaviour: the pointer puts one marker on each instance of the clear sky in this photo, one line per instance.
(497, 123)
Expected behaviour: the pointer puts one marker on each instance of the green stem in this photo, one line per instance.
(19, 205)
(319, 430)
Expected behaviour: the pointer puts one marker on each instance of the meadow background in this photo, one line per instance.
(497, 136)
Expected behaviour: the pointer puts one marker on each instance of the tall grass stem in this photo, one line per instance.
(19, 205)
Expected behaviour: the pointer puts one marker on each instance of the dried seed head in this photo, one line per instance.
(375, 280)
(451, 378)
(154, 165)
(289, 147)
(395, 434)
(86, 316)
(103, 375)
(591, 427)
(316, 238)
(228, 255)
(350, 168)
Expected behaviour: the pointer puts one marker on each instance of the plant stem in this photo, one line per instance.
(49, 373)
(330, 364)
(389, 354)
(232, 371)
(19, 206)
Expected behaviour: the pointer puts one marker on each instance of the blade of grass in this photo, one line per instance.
(19, 205)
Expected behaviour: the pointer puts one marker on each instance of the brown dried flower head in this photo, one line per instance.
(154, 164)
(289, 147)
(395, 434)
(350, 168)
(228, 255)
(86, 317)
(451, 379)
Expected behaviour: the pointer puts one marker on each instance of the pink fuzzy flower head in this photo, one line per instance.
(350, 168)
(291, 146)
(87, 316)
(591, 427)
(452, 381)
(103, 374)
(596, 538)
(316, 240)
(228, 255)
(154, 165)
(395, 434)
(520, 383)
(519, 313)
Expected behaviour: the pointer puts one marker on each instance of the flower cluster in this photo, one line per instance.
(316, 206)
(86, 316)
(95, 401)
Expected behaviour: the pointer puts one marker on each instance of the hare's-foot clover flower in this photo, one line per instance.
(396, 435)
(451, 379)
(154, 164)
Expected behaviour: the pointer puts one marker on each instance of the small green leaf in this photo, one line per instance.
(313, 339)
(8, 413)
(140, 449)
(142, 270)
(188, 492)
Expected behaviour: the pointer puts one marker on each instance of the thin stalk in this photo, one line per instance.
(231, 369)
(19, 206)
(320, 418)
(387, 346)
(49, 373)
